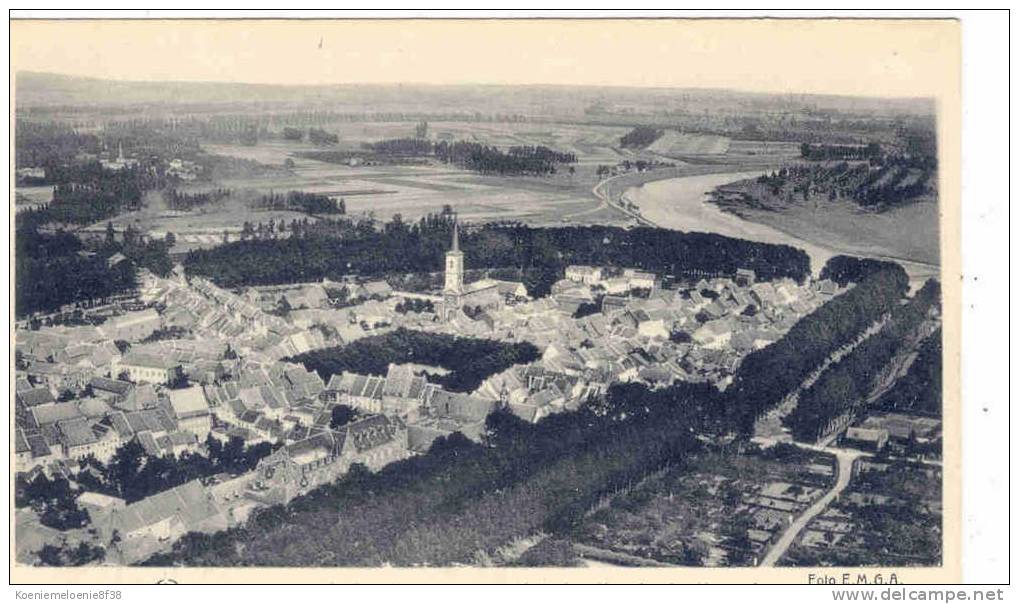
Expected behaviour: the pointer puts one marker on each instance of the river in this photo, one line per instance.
(682, 204)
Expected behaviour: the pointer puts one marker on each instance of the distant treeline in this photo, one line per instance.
(94, 195)
(531, 160)
(175, 200)
(321, 137)
(50, 145)
(842, 390)
(843, 152)
(470, 360)
(542, 253)
(895, 181)
(299, 201)
(640, 137)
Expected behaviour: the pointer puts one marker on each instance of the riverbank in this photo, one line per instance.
(683, 203)
(908, 235)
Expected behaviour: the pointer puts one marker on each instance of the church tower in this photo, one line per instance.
(452, 291)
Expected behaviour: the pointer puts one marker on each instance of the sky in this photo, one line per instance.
(854, 57)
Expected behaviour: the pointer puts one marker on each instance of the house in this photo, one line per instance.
(59, 376)
(148, 368)
(191, 410)
(826, 288)
(613, 303)
(639, 279)
(154, 421)
(512, 290)
(35, 396)
(22, 450)
(714, 334)
(113, 391)
(377, 289)
(588, 275)
(81, 437)
(868, 439)
(115, 259)
(132, 326)
(139, 397)
(745, 277)
(322, 458)
(97, 503)
(159, 519)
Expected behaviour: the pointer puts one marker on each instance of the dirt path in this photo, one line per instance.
(845, 457)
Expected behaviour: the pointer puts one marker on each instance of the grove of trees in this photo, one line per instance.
(541, 254)
(844, 387)
(470, 360)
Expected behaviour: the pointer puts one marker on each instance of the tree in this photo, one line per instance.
(111, 235)
(341, 416)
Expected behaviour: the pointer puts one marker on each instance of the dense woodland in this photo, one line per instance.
(469, 360)
(844, 270)
(542, 253)
(53, 270)
(844, 388)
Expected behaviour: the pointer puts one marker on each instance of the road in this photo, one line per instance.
(845, 457)
(607, 202)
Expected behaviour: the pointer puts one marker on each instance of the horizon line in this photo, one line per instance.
(133, 80)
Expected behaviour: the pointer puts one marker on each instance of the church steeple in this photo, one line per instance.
(454, 286)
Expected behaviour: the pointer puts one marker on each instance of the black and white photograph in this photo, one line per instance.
(584, 297)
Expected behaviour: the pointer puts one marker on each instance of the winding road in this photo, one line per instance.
(845, 457)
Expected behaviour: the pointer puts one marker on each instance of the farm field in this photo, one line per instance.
(415, 190)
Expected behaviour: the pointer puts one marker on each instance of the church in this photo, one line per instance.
(484, 293)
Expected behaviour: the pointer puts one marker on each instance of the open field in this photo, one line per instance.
(416, 190)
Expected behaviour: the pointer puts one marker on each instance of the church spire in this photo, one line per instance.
(456, 238)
